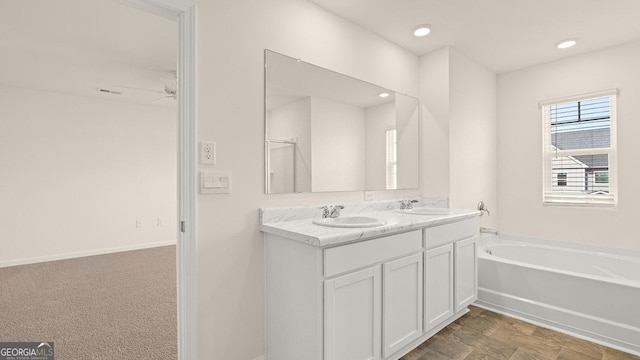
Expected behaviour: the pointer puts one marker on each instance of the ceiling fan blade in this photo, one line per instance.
(170, 85)
(139, 89)
(161, 99)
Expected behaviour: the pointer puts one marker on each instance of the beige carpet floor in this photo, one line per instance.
(115, 306)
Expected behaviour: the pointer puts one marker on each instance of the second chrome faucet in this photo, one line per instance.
(331, 212)
(407, 204)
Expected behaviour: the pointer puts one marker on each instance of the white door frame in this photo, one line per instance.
(183, 11)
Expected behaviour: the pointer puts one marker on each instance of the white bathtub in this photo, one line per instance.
(584, 291)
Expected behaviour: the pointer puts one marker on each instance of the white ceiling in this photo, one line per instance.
(503, 35)
(77, 46)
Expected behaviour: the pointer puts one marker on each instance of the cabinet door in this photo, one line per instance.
(438, 289)
(402, 302)
(466, 272)
(352, 316)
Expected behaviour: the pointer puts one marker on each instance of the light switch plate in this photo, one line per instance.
(215, 182)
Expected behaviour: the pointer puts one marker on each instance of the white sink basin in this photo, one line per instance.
(426, 211)
(349, 222)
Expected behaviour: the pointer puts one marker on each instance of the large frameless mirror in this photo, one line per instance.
(326, 131)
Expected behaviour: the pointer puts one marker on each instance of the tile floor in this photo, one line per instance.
(485, 335)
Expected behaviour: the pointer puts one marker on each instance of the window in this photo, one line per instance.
(579, 150)
(391, 160)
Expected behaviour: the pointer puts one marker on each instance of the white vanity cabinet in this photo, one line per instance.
(463, 238)
(379, 304)
(356, 308)
(374, 299)
(402, 302)
(438, 285)
(352, 316)
(466, 272)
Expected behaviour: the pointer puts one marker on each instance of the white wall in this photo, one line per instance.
(337, 146)
(434, 97)
(459, 131)
(520, 149)
(232, 36)
(408, 141)
(77, 172)
(472, 133)
(379, 119)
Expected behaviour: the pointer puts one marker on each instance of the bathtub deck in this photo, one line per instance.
(482, 334)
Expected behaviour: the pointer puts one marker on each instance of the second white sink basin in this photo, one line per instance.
(426, 211)
(349, 222)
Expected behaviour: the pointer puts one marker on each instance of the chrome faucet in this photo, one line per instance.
(335, 211)
(407, 204)
(325, 211)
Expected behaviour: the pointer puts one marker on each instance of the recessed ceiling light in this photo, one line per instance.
(421, 30)
(565, 44)
(383, 94)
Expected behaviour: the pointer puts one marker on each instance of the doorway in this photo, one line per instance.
(37, 171)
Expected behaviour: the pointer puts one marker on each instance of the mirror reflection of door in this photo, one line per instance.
(282, 166)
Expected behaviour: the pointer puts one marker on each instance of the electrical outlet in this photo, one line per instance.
(160, 222)
(369, 195)
(138, 223)
(207, 153)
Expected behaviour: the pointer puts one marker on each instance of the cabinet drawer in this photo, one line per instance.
(443, 234)
(348, 257)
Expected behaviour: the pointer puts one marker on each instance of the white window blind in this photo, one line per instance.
(579, 150)
(391, 160)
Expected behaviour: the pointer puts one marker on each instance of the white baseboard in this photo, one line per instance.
(78, 254)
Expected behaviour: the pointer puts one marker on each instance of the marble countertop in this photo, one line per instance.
(304, 230)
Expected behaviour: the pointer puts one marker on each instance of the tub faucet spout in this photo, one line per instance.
(483, 208)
